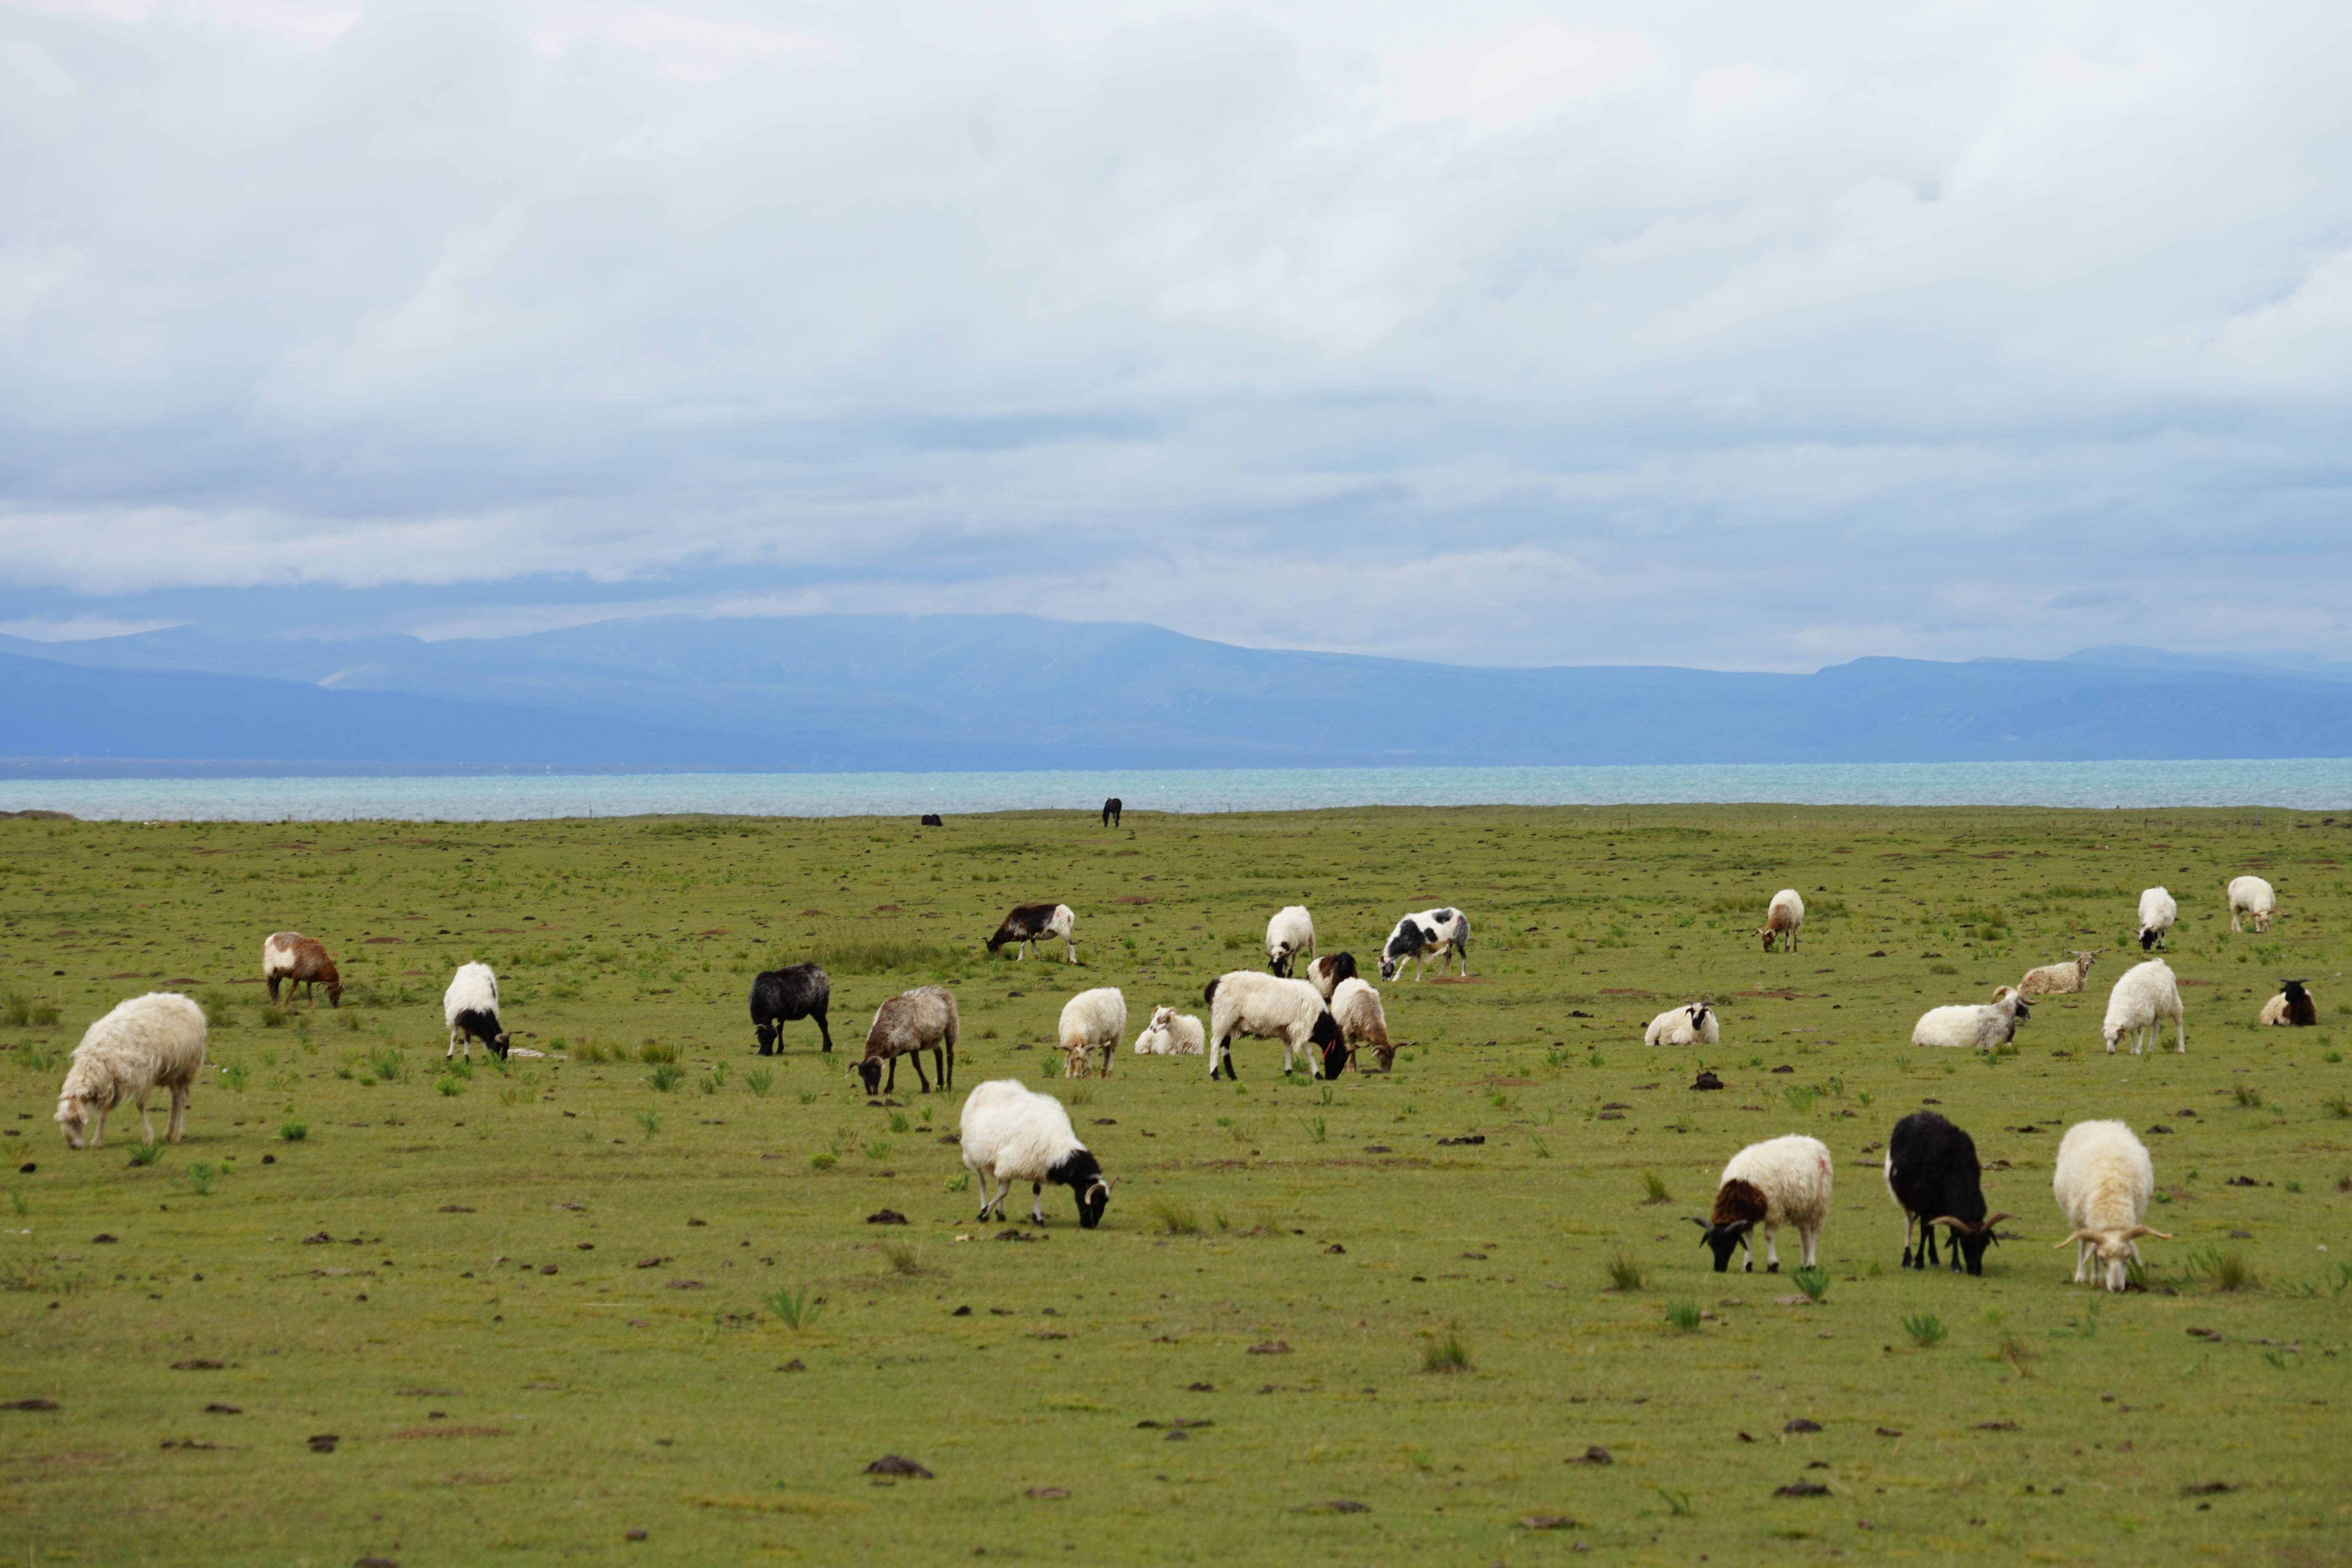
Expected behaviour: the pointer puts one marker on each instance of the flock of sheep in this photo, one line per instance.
(2103, 1181)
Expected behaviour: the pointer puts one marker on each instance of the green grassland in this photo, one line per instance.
(631, 1287)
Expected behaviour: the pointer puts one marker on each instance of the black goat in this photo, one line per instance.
(796, 991)
(1933, 1176)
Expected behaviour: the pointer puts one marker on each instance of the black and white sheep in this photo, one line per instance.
(1032, 922)
(781, 995)
(149, 1042)
(1692, 1024)
(1267, 1006)
(907, 1025)
(1781, 1181)
(2103, 1181)
(2158, 910)
(1092, 1021)
(1011, 1133)
(1933, 1177)
(1433, 934)
(1290, 933)
(1326, 972)
(470, 1007)
(299, 960)
(2293, 1006)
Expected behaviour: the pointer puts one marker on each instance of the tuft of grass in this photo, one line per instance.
(2229, 1271)
(1446, 1353)
(1174, 1219)
(1814, 1282)
(146, 1154)
(1684, 1315)
(904, 1258)
(386, 1064)
(1943, 968)
(797, 1310)
(825, 1158)
(759, 1081)
(449, 1085)
(654, 1050)
(650, 1121)
(898, 1123)
(198, 1177)
(19, 1011)
(235, 1076)
(1625, 1271)
(807, 1096)
(2337, 1105)
(2247, 1096)
(2017, 1353)
(879, 1149)
(293, 1132)
(1801, 1099)
(1926, 1330)
(1654, 1188)
(1317, 1129)
(883, 952)
(1678, 1503)
(664, 1077)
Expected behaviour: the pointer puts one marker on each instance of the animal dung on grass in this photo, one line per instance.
(1546, 1522)
(1803, 1423)
(1801, 1489)
(29, 1405)
(897, 1465)
(885, 1217)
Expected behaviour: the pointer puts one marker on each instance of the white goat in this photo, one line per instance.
(1290, 933)
(2144, 994)
(1171, 1033)
(2059, 979)
(1976, 1027)
(2103, 1182)
(1091, 1021)
(149, 1042)
(1781, 1181)
(2251, 896)
(1011, 1133)
(1689, 1024)
(2158, 910)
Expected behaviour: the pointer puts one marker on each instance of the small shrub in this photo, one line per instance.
(664, 1077)
(825, 1158)
(898, 1123)
(1813, 1281)
(1684, 1315)
(905, 1259)
(294, 1132)
(449, 1086)
(759, 1081)
(146, 1154)
(1800, 1100)
(1654, 1188)
(1446, 1353)
(198, 1177)
(458, 1066)
(1174, 1220)
(797, 1310)
(1926, 1330)
(387, 1063)
(879, 1149)
(1625, 1271)
(808, 1096)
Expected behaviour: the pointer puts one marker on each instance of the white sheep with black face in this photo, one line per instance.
(1290, 933)
(1267, 1007)
(1692, 1024)
(2158, 910)
(2103, 1182)
(1012, 1133)
(1780, 1181)
(1973, 1026)
(149, 1042)
(470, 1007)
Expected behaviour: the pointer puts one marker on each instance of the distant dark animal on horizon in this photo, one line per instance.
(1111, 809)
(932, 820)
(779, 996)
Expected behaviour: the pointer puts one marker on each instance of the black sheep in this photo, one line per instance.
(796, 991)
(1933, 1176)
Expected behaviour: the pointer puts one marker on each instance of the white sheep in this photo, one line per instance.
(149, 1042)
(2158, 910)
(1011, 1133)
(2144, 994)
(1781, 919)
(1356, 1009)
(1269, 1008)
(2103, 1182)
(2251, 896)
(2059, 979)
(1781, 1181)
(1091, 1021)
(1326, 973)
(1689, 1024)
(470, 1007)
(1290, 933)
(1973, 1026)
(1171, 1033)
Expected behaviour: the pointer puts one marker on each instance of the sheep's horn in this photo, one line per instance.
(1996, 1219)
(1947, 1219)
(2078, 1236)
(2136, 1231)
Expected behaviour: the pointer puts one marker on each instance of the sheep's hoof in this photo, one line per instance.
(1771, 1268)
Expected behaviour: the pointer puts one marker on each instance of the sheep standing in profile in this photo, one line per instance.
(470, 1007)
(2103, 1181)
(299, 960)
(2157, 912)
(1266, 1008)
(1092, 1021)
(907, 1025)
(1979, 1027)
(1290, 933)
(1933, 1177)
(1171, 1033)
(2293, 1006)
(1689, 1024)
(2059, 979)
(149, 1042)
(1436, 934)
(1030, 924)
(1781, 1181)
(1011, 1133)
(2251, 896)
(2146, 994)
(779, 996)
(1782, 920)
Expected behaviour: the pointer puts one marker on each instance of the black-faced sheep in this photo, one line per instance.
(2293, 1006)
(149, 1042)
(2158, 910)
(299, 960)
(1933, 1177)
(470, 1007)
(1011, 1133)
(781, 995)
(1973, 1025)
(1268, 1007)
(1032, 922)
(1781, 1181)
(1692, 1024)
(907, 1025)
(1290, 933)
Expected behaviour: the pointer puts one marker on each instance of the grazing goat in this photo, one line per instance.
(300, 960)
(1171, 1033)
(1689, 1024)
(1012, 1133)
(1973, 1026)
(2158, 910)
(2145, 994)
(1356, 1009)
(779, 996)
(1326, 973)
(1267, 1007)
(2059, 979)
(1030, 924)
(1433, 933)
(907, 1025)
(470, 1007)
(1091, 1021)
(2251, 896)
(1934, 1179)
(1111, 810)
(149, 1042)
(2294, 1006)
(1781, 1181)
(2103, 1181)
(1287, 934)
(1786, 914)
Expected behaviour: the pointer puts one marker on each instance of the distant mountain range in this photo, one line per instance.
(1007, 691)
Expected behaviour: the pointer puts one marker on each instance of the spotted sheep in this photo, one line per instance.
(1290, 933)
(1433, 934)
(1786, 913)
(1781, 1181)
(299, 960)
(1933, 1176)
(2293, 1006)
(149, 1042)
(2103, 1182)
(781, 995)
(2251, 896)
(1030, 924)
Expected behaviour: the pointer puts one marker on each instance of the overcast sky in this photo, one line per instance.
(1723, 334)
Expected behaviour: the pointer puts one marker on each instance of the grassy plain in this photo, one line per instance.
(542, 1307)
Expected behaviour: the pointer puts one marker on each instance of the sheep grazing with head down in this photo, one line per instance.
(1030, 924)
(1356, 1009)
(1011, 1133)
(2293, 1006)
(1326, 972)
(1692, 1024)
(1436, 934)
(2059, 979)
(2158, 910)
(1268, 1007)
(299, 960)
(470, 1007)
(1092, 1021)
(1977, 1027)
(2251, 896)
(907, 1025)
(1781, 1181)
(2103, 1181)
(2145, 996)
(1781, 919)
(1933, 1177)
(149, 1042)
(1290, 933)
(1171, 1033)
(779, 996)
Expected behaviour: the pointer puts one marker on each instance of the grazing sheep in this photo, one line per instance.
(779, 996)
(1433, 933)
(1781, 1181)
(1032, 922)
(1091, 1021)
(1111, 810)
(1934, 1179)
(1979, 1027)
(2146, 994)
(2103, 1182)
(1786, 914)
(932, 819)
(1356, 1009)
(470, 1007)
(1268, 1007)
(1290, 933)
(149, 1042)
(1326, 973)
(907, 1025)
(1689, 1024)
(2251, 896)
(2059, 979)
(1011, 1133)
(2158, 910)
(2294, 1006)
(300, 960)
(1171, 1033)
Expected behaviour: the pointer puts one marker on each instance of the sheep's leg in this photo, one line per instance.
(1908, 1219)
(2180, 1032)
(2081, 1261)
(1069, 950)
(96, 1126)
(915, 1059)
(179, 1112)
(1809, 1245)
(146, 1127)
(820, 1029)
(1772, 1249)
(1036, 1203)
(1746, 1252)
